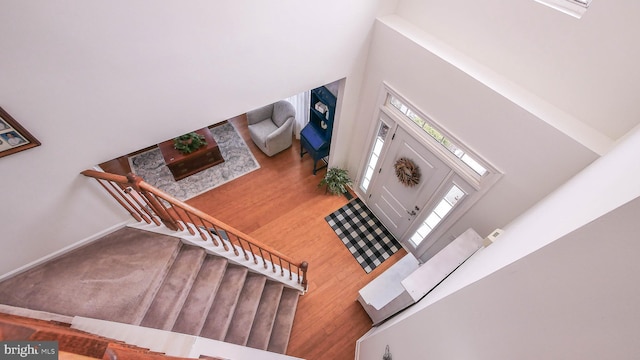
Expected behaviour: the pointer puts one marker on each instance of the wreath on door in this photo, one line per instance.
(407, 172)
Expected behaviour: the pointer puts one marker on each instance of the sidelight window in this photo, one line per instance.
(444, 207)
(383, 130)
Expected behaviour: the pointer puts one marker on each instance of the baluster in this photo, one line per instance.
(202, 231)
(244, 251)
(264, 261)
(142, 205)
(133, 211)
(228, 243)
(179, 219)
(205, 230)
(255, 259)
(281, 268)
(304, 267)
(153, 202)
(273, 266)
(213, 238)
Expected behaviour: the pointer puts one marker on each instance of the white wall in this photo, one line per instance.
(558, 284)
(586, 67)
(535, 157)
(93, 80)
(573, 300)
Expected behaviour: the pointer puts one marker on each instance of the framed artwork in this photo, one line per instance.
(13, 137)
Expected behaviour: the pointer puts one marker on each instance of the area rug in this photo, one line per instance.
(363, 234)
(238, 161)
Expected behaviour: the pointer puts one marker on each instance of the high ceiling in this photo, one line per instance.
(585, 67)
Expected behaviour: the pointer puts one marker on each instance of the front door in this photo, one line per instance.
(397, 203)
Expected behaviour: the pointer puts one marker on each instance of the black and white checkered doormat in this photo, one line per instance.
(363, 234)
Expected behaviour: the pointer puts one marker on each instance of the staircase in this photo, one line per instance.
(142, 278)
(205, 295)
(208, 293)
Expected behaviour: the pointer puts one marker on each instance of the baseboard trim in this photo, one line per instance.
(35, 314)
(63, 251)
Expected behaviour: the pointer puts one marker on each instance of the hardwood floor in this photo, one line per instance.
(281, 205)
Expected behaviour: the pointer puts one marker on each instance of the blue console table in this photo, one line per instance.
(315, 137)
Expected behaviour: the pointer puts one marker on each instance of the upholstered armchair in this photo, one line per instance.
(271, 126)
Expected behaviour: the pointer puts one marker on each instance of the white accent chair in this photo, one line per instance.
(271, 127)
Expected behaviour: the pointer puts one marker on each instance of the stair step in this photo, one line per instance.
(284, 321)
(266, 315)
(219, 317)
(245, 312)
(201, 296)
(175, 288)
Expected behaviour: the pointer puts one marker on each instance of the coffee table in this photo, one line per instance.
(183, 165)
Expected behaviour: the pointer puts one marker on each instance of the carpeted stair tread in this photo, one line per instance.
(265, 316)
(245, 312)
(175, 288)
(75, 284)
(219, 317)
(200, 299)
(284, 321)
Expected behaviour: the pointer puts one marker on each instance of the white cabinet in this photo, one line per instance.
(406, 282)
(385, 295)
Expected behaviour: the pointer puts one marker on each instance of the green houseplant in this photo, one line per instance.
(189, 143)
(336, 181)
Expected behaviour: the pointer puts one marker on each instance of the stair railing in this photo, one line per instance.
(148, 204)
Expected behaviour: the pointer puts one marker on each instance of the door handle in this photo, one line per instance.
(412, 212)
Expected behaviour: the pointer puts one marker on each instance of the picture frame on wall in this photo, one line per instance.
(14, 137)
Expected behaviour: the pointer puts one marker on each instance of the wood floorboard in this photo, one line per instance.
(281, 205)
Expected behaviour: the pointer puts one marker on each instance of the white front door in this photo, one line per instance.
(397, 204)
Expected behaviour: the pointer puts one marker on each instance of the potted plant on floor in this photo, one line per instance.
(336, 181)
(189, 143)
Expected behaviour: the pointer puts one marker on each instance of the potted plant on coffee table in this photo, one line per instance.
(336, 181)
(189, 142)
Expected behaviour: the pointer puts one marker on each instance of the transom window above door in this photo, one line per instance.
(470, 161)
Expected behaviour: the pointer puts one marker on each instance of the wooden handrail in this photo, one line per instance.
(173, 219)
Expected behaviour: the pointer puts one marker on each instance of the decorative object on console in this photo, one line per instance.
(13, 137)
(315, 137)
(407, 172)
(189, 142)
(322, 108)
(336, 181)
